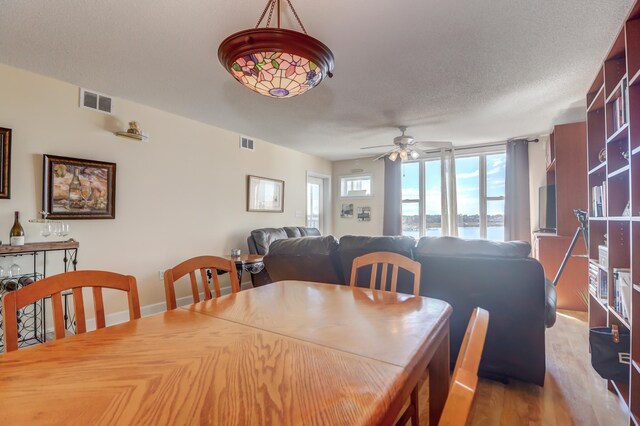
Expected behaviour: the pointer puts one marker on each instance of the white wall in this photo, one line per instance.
(537, 176)
(181, 194)
(352, 226)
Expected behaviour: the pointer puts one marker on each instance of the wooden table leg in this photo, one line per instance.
(439, 379)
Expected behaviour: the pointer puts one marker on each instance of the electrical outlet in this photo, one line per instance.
(161, 274)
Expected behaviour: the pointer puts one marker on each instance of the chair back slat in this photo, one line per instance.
(78, 308)
(465, 375)
(216, 283)
(58, 315)
(98, 308)
(54, 286)
(201, 263)
(9, 322)
(134, 301)
(394, 279)
(386, 259)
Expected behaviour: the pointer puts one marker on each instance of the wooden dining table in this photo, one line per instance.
(286, 353)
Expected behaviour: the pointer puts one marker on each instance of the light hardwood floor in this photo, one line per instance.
(573, 393)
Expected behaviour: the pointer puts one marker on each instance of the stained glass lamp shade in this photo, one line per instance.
(276, 62)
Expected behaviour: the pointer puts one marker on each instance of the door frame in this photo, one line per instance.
(326, 200)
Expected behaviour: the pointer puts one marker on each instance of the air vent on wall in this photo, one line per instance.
(246, 143)
(96, 101)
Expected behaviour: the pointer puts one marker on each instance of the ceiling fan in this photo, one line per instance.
(405, 146)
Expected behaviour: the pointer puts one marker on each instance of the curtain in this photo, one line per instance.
(517, 225)
(392, 218)
(448, 200)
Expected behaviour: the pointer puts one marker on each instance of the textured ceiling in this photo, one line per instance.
(466, 71)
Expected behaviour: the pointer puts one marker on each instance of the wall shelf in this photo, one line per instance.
(141, 138)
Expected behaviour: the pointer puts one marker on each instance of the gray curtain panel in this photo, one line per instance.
(392, 218)
(517, 224)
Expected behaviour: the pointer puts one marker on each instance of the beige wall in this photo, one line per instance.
(352, 226)
(537, 176)
(181, 194)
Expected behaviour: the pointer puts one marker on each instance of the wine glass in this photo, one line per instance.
(56, 228)
(46, 229)
(64, 229)
(14, 270)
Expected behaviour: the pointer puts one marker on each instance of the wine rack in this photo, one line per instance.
(32, 319)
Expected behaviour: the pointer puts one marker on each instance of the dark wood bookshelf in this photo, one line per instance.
(618, 228)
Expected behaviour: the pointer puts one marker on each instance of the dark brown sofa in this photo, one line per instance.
(499, 277)
(260, 239)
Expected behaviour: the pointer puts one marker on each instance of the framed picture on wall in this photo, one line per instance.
(78, 189)
(265, 195)
(5, 163)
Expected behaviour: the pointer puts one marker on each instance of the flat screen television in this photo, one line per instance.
(547, 212)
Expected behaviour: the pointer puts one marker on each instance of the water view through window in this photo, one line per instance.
(480, 197)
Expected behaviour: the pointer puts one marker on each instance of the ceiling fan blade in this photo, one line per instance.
(381, 156)
(377, 146)
(434, 144)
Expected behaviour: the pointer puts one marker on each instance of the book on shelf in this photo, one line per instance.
(603, 256)
(593, 279)
(599, 200)
(622, 291)
(603, 286)
(619, 108)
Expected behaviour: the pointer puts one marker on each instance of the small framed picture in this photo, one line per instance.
(265, 195)
(5, 163)
(347, 211)
(364, 214)
(74, 188)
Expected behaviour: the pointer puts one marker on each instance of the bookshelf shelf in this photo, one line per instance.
(613, 124)
(633, 80)
(599, 302)
(621, 133)
(619, 317)
(597, 168)
(619, 171)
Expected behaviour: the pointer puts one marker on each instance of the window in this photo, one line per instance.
(480, 196)
(355, 186)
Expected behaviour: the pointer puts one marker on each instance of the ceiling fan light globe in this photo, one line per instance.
(414, 155)
(403, 155)
(393, 156)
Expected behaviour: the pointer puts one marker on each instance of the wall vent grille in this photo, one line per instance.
(100, 102)
(246, 143)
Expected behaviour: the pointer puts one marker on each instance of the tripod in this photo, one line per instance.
(581, 215)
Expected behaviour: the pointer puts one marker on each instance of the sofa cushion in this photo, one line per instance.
(265, 236)
(304, 259)
(453, 246)
(292, 231)
(309, 232)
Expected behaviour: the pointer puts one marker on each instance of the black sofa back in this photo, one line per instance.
(501, 278)
(304, 259)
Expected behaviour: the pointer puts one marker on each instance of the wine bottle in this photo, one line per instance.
(17, 233)
(75, 190)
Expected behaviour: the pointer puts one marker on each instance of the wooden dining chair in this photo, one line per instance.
(202, 263)
(54, 286)
(386, 259)
(465, 375)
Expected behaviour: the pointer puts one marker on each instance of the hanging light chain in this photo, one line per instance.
(270, 6)
(264, 12)
(297, 17)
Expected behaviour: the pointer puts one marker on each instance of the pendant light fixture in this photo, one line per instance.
(276, 62)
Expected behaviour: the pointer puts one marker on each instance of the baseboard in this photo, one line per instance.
(148, 310)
